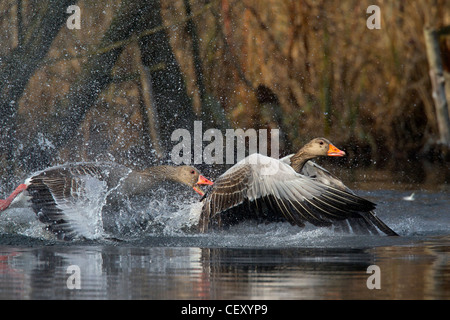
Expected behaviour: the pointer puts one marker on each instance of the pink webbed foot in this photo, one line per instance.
(4, 204)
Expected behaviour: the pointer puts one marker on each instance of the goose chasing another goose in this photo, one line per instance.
(58, 195)
(292, 189)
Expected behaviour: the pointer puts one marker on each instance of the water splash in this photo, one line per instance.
(170, 217)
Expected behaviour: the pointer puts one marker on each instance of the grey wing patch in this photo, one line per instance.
(321, 210)
(365, 222)
(322, 175)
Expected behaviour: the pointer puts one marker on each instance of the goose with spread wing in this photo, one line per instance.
(264, 188)
(301, 163)
(268, 189)
(71, 199)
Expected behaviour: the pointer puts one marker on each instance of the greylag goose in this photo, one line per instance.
(59, 194)
(269, 189)
(300, 162)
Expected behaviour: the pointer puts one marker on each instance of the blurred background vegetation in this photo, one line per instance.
(116, 88)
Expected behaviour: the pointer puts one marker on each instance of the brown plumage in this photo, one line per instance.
(300, 162)
(289, 189)
(259, 187)
(58, 194)
(315, 148)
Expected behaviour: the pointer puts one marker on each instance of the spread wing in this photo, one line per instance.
(69, 199)
(271, 189)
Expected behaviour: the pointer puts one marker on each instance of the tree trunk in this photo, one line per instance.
(150, 126)
(192, 31)
(438, 84)
(173, 106)
(172, 103)
(18, 67)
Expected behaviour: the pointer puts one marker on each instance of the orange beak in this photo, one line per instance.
(201, 180)
(335, 152)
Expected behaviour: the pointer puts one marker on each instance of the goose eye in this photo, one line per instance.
(192, 171)
(321, 142)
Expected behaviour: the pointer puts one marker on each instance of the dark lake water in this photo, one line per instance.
(249, 261)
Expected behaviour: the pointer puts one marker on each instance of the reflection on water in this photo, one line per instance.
(275, 261)
(419, 271)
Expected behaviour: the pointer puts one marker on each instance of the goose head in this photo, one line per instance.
(322, 147)
(315, 148)
(190, 176)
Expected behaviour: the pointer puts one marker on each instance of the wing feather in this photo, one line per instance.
(287, 194)
(66, 198)
(371, 221)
